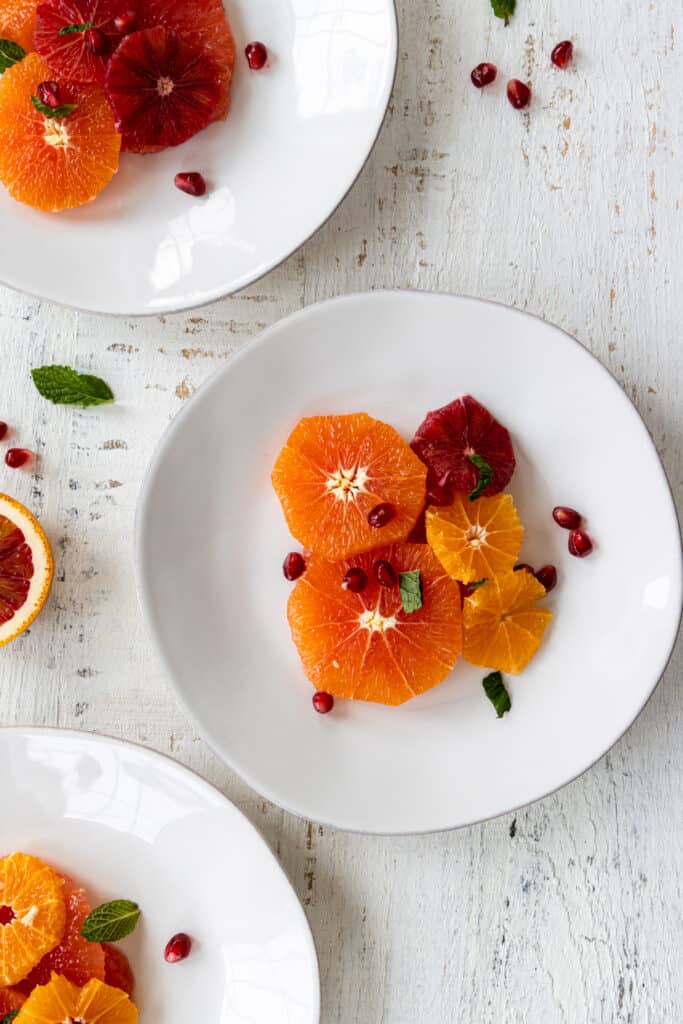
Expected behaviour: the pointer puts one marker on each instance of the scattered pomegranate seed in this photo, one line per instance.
(7, 915)
(523, 565)
(191, 182)
(16, 457)
(49, 94)
(562, 54)
(355, 580)
(125, 21)
(567, 518)
(483, 75)
(384, 573)
(257, 55)
(580, 544)
(547, 577)
(323, 702)
(3, 429)
(381, 514)
(96, 42)
(519, 94)
(178, 948)
(293, 566)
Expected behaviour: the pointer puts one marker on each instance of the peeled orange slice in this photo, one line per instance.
(476, 540)
(502, 623)
(32, 914)
(26, 568)
(60, 1002)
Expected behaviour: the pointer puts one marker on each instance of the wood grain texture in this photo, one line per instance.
(569, 911)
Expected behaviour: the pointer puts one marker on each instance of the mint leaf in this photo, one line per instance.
(485, 475)
(70, 29)
(10, 53)
(496, 693)
(64, 386)
(62, 111)
(10, 1017)
(410, 585)
(111, 922)
(477, 583)
(504, 9)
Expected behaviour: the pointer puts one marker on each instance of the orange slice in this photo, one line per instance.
(476, 540)
(502, 623)
(364, 645)
(61, 1002)
(334, 471)
(32, 914)
(17, 22)
(26, 569)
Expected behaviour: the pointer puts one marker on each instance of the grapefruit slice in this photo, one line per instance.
(32, 914)
(26, 568)
(364, 646)
(476, 540)
(503, 625)
(332, 474)
(117, 970)
(17, 22)
(60, 37)
(60, 1002)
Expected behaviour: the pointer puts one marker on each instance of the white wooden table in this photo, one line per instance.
(570, 911)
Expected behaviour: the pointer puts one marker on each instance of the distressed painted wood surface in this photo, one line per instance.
(570, 911)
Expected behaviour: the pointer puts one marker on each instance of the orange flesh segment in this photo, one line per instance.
(17, 21)
(476, 540)
(34, 896)
(502, 623)
(60, 1001)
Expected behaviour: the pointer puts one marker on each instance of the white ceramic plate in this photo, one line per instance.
(129, 823)
(296, 138)
(211, 539)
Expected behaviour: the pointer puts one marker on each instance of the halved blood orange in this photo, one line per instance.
(364, 645)
(334, 471)
(26, 568)
(476, 540)
(117, 970)
(32, 914)
(60, 1001)
(502, 623)
(17, 22)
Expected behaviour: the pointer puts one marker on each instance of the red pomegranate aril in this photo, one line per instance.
(49, 94)
(178, 948)
(3, 429)
(191, 182)
(519, 94)
(384, 573)
(567, 518)
(483, 75)
(523, 565)
(7, 915)
(293, 566)
(16, 457)
(256, 55)
(96, 42)
(562, 54)
(547, 577)
(381, 514)
(125, 21)
(355, 580)
(580, 544)
(323, 702)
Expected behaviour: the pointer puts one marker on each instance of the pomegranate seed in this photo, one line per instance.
(519, 94)
(7, 915)
(293, 566)
(381, 514)
(483, 75)
(3, 429)
(191, 182)
(523, 565)
(355, 581)
(323, 702)
(125, 21)
(580, 544)
(16, 457)
(96, 42)
(49, 94)
(562, 54)
(547, 577)
(567, 518)
(384, 573)
(178, 948)
(257, 55)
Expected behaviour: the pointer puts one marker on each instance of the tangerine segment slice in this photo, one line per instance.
(26, 569)
(54, 163)
(61, 1001)
(503, 627)
(476, 540)
(32, 913)
(334, 470)
(365, 646)
(17, 21)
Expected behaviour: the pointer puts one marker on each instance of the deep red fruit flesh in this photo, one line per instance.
(547, 577)
(117, 970)
(7, 915)
(256, 55)
(483, 75)
(3, 429)
(96, 42)
(523, 565)
(16, 572)
(384, 573)
(355, 580)
(381, 514)
(562, 54)
(178, 948)
(519, 94)
(77, 56)
(323, 702)
(438, 495)
(126, 21)
(16, 457)
(580, 544)
(49, 94)
(567, 518)
(293, 566)
(191, 182)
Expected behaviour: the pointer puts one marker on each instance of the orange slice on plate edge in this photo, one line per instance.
(32, 914)
(60, 1001)
(475, 540)
(26, 568)
(503, 624)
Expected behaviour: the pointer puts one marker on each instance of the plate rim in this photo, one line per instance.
(263, 339)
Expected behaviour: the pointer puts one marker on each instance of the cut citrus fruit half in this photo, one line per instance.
(476, 540)
(32, 914)
(26, 568)
(54, 163)
(10, 999)
(61, 1002)
(17, 22)
(61, 41)
(502, 623)
(337, 474)
(365, 646)
(117, 970)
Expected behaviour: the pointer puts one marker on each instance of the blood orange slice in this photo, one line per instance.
(476, 540)
(17, 22)
(60, 37)
(60, 1002)
(503, 625)
(364, 645)
(32, 914)
(117, 970)
(26, 569)
(10, 999)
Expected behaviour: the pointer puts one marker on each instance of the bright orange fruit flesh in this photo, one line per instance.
(365, 646)
(60, 1001)
(33, 913)
(54, 163)
(502, 623)
(18, 20)
(334, 470)
(476, 540)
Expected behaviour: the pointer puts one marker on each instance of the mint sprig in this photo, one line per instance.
(68, 30)
(504, 9)
(111, 922)
(494, 688)
(10, 53)
(64, 386)
(477, 583)
(485, 475)
(58, 112)
(10, 1017)
(410, 585)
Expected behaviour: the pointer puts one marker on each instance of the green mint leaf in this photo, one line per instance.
(485, 475)
(10, 1017)
(71, 29)
(10, 53)
(410, 585)
(477, 583)
(496, 693)
(111, 922)
(504, 9)
(62, 111)
(64, 386)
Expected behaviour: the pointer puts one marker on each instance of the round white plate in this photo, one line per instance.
(296, 138)
(129, 823)
(211, 539)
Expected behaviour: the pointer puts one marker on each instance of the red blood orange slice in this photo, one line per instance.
(117, 970)
(60, 37)
(10, 999)
(26, 569)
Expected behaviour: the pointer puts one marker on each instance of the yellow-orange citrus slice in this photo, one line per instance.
(475, 540)
(26, 568)
(61, 1002)
(32, 914)
(502, 623)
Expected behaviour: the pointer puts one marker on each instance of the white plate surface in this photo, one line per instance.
(129, 823)
(296, 138)
(211, 539)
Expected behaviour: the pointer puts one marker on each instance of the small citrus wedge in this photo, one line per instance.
(17, 21)
(502, 623)
(32, 914)
(475, 540)
(60, 1001)
(26, 569)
